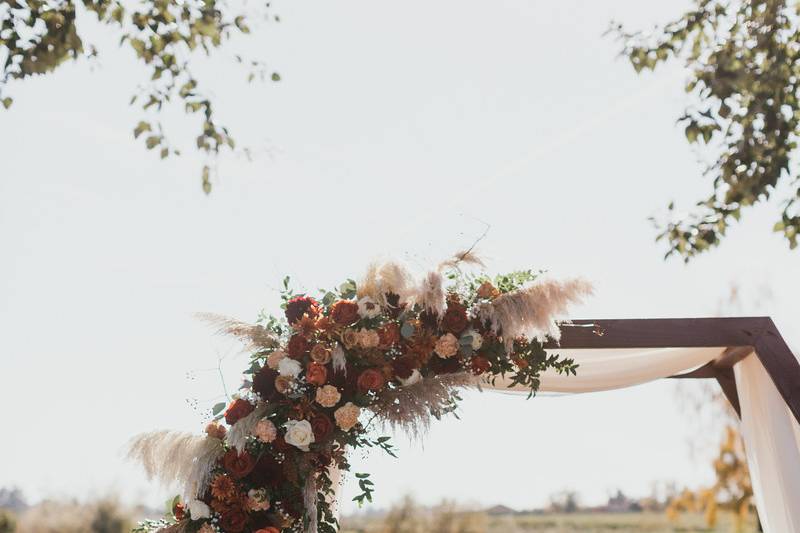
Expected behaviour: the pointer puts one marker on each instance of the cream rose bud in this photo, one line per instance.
(415, 377)
(289, 368)
(275, 358)
(477, 339)
(198, 510)
(299, 434)
(368, 308)
(347, 416)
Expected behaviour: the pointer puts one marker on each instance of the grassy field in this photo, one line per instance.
(548, 523)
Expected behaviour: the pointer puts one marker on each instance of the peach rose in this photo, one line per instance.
(265, 430)
(283, 384)
(257, 500)
(328, 396)
(487, 290)
(206, 528)
(368, 338)
(347, 416)
(349, 338)
(321, 354)
(316, 374)
(215, 430)
(446, 346)
(275, 358)
(371, 379)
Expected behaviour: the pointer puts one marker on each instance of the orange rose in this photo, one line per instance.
(371, 379)
(237, 410)
(268, 530)
(316, 374)
(344, 312)
(487, 290)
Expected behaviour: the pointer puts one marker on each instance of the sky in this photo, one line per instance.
(398, 130)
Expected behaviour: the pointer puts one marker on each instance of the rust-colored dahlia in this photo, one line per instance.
(237, 410)
(299, 306)
(224, 489)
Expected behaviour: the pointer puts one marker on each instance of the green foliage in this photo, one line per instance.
(744, 71)
(37, 36)
(7, 522)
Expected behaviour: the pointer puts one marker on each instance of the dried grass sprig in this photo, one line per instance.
(243, 428)
(533, 311)
(385, 278)
(410, 407)
(464, 257)
(177, 457)
(253, 335)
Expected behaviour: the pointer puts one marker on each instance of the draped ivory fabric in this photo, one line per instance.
(771, 433)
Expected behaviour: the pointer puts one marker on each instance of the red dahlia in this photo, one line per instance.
(299, 306)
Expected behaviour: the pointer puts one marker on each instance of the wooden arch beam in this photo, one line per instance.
(741, 336)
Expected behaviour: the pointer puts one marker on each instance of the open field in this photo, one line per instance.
(546, 523)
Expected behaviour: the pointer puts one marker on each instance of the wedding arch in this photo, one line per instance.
(398, 350)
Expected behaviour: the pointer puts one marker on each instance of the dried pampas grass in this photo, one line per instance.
(465, 257)
(172, 456)
(410, 407)
(381, 279)
(243, 428)
(533, 311)
(253, 335)
(431, 294)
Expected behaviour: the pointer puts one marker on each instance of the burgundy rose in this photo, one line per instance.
(264, 383)
(299, 306)
(344, 312)
(371, 379)
(455, 317)
(238, 409)
(233, 520)
(451, 365)
(298, 346)
(388, 335)
(238, 465)
(480, 365)
(268, 472)
(322, 427)
(404, 366)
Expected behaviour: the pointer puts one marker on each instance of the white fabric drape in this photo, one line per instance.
(771, 433)
(772, 443)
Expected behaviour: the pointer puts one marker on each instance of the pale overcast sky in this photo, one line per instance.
(398, 130)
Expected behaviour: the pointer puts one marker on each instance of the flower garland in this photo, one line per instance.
(388, 349)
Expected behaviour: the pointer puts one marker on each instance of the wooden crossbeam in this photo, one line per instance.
(740, 335)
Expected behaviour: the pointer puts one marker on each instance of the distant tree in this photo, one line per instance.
(404, 517)
(7, 522)
(166, 36)
(13, 499)
(743, 60)
(109, 519)
(566, 501)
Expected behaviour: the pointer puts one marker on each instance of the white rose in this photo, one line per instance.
(299, 434)
(368, 308)
(415, 377)
(289, 368)
(198, 510)
(477, 339)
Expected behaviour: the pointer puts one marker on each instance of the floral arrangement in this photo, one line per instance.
(388, 349)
